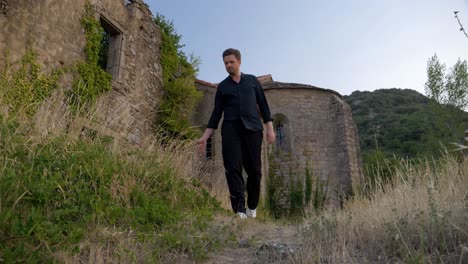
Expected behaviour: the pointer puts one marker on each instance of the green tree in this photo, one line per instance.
(457, 85)
(447, 88)
(179, 73)
(435, 84)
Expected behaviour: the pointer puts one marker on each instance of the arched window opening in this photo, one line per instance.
(283, 133)
(279, 134)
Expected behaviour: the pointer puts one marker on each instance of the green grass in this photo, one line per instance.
(58, 195)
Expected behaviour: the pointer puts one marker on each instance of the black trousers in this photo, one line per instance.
(242, 149)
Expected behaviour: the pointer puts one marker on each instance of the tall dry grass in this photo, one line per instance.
(54, 118)
(420, 217)
(156, 159)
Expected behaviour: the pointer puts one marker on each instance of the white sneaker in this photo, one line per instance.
(251, 213)
(242, 215)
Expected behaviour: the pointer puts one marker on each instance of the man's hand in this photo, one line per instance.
(201, 143)
(270, 133)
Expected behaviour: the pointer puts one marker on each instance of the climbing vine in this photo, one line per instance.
(24, 85)
(92, 80)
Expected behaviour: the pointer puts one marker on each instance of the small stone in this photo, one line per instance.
(135, 137)
(244, 243)
(279, 249)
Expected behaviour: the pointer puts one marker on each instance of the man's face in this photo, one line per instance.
(232, 64)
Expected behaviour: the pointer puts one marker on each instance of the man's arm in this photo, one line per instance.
(265, 113)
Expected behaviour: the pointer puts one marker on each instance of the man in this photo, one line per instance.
(240, 96)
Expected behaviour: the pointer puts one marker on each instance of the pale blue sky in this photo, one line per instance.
(344, 45)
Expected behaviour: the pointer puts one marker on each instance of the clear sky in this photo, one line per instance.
(344, 45)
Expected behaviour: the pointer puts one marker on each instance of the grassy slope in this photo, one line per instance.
(70, 199)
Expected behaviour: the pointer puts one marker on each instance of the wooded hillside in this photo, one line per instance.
(404, 123)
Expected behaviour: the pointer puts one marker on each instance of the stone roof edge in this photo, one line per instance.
(269, 84)
(261, 78)
(281, 85)
(208, 84)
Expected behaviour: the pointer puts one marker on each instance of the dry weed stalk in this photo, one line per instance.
(421, 216)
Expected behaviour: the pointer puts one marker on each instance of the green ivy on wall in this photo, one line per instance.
(24, 85)
(92, 80)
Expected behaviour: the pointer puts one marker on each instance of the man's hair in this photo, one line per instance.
(232, 51)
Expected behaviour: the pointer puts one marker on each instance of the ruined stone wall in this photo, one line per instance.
(205, 106)
(321, 136)
(138, 88)
(53, 30)
(348, 150)
(202, 114)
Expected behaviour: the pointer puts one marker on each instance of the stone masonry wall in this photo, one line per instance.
(205, 106)
(347, 142)
(309, 127)
(322, 136)
(53, 30)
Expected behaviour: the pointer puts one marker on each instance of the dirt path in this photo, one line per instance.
(255, 241)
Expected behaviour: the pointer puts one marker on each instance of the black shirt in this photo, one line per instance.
(239, 102)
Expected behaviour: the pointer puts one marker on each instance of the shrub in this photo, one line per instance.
(180, 93)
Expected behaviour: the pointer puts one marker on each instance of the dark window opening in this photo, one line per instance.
(283, 134)
(104, 50)
(110, 48)
(279, 135)
(209, 148)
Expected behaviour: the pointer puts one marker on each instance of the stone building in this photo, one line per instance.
(52, 29)
(314, 129)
